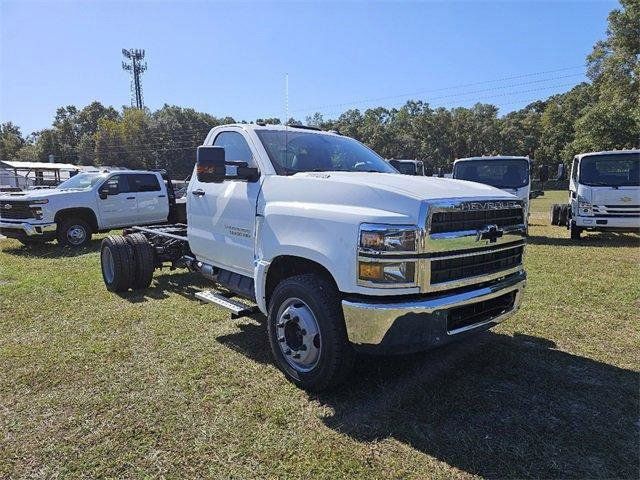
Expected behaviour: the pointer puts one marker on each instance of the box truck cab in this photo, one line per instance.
(511, 174)
(604, 192)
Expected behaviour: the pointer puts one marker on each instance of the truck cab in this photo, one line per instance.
(85, 204)
(408, 167)
(509, 173)
(339, 251)
(604, 192)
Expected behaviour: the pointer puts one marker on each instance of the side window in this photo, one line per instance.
(141, 182)
(236, 148)
(574, 170)
(117, 184)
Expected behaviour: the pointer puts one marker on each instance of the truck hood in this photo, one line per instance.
(38, 194)
(354, 197)
(419, 188)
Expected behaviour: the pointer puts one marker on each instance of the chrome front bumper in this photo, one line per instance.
(28, 229)
(413, 325)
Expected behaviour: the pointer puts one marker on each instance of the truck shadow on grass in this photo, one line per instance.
(589, 240)
(51, 250)
(494, 406)
(183, 283)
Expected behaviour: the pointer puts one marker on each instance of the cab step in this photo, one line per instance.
(238, 309)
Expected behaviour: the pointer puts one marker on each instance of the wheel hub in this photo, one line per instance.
(298, 335)
(76, 235)
(108, 266)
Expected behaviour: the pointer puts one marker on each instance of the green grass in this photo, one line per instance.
(94, 384)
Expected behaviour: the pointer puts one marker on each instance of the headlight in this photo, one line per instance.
(387, 272)
(388, 238)
(584, 207)
(37, 212)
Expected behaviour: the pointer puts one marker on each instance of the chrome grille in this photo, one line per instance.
(474, 265)
(470, 242)
(11, 209)
(455, 221)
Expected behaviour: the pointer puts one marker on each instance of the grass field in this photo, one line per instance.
(94, 384)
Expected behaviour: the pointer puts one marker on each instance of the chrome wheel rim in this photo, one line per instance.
(298, 335)
(76, 235)
(107, 265)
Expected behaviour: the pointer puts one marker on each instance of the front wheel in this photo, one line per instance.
(74, 232)
(306, 331)
(575, 231)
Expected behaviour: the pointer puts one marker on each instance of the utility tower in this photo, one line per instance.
(136, 66)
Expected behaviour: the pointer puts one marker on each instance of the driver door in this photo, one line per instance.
(222, 216)
(120, 206)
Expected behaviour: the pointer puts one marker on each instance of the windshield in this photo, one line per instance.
(81, 181)
(294, 151)
(497, 173)
(615, 170)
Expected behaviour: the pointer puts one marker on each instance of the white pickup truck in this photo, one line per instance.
(604, 194)
(86, 203)
(339, 251)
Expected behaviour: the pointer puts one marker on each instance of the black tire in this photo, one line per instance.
(554, 214)
(116, 262)
(562, 216)
(143, 261)
(336, 356)
(575, 231)
(74, 232)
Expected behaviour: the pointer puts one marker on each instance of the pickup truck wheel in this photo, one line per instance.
(143, 260)
(307, 334)
(116, 261)
(74, 232)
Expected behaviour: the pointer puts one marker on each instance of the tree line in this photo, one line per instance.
(602, 113)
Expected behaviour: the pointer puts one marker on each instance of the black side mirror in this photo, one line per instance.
(103, 193)
(210, 164)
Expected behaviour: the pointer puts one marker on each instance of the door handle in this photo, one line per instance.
(161, 196)
(131, 198)
(198, 193)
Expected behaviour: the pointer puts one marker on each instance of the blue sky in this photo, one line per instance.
(231, 58)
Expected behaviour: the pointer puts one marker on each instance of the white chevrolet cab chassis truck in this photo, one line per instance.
(339, 251)
(604, 194)
(85, 204)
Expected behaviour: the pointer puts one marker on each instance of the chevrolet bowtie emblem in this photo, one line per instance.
(626, 199)
(490, 232)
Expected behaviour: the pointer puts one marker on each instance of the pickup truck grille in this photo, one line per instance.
(11, 209)
(473, 220)
(466, 266)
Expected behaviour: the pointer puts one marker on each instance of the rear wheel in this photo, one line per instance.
(143, 260)
(562, 215)
(306, 331)
(74, 232)
(117, 263)
(554, 214)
